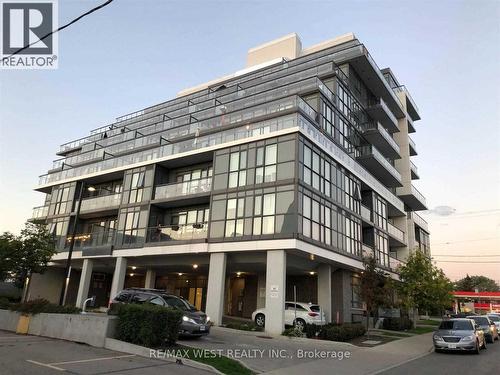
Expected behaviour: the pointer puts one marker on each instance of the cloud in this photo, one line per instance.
(442, 211)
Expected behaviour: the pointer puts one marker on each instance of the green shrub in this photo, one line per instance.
(343, 332)
(243, 326)
(38, 306)
(397, 324)
(148, 325)
(293, 332)
(312, 330)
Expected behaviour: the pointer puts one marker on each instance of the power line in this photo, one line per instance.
(63, 27)
(467, 256)
(468, 261)
(471, 240)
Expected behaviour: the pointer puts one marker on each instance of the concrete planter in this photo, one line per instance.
(85, 328)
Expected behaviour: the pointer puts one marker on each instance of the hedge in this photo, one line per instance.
(38, 306)
(332, 331)
(397, 324)
(148, 325)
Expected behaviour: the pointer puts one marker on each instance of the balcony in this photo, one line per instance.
(107, 202)
(366, 213)
(412, 146)
(412, 197)
(202, 186)
(376, 134)
(378, 110)
(188, 232)
(96, 243)
(394, 263)
(411, 127)
(367, 251)
(411, 107)
(39, 213)
(370, 158)
(414, 171)
(419, 220)
(397, 236)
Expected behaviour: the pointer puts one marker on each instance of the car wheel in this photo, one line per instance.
(300, 324)
(476, 350)
(436, 350)
(260, 320)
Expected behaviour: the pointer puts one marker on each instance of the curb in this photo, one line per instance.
(141, 351)
(402, 363)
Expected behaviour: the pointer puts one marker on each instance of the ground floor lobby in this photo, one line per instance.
(222, 284)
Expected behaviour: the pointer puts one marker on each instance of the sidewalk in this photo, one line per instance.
(281, 355)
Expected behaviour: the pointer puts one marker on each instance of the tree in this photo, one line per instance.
(375, 288)
(481, 283)
(424, 286)
(28, 253)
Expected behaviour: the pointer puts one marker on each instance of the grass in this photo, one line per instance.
(225, 365)
(429, 322)
(421, 329)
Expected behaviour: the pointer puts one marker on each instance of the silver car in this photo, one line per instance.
(489, 328)
(495, 318)
(459, 334)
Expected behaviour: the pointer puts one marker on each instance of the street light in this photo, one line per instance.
(67, 270)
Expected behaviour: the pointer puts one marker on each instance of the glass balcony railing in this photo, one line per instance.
(369, 150)
(396, 233)
(104, 201)
(408, 96)
(419, 220)
(95, 239)
(366, 213)
(179, 189)
(394, 263)
(185, 232)
(233, 134)
(379, 102)
(376, 125)
(418, 195)
(367, 251)
(413, 167)
(40, 212)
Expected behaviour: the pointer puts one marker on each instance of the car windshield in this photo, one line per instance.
(178, 303)
(494, 318)
(315, 308)
(481, 320)
(456, 325)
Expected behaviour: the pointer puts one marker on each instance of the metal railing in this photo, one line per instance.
(202, 185)
(103, 201)
(185, 232)
(396, 232)
(418, 195)
(40, 212)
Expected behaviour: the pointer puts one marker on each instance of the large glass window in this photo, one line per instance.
(380, 212)
(136, 187)
(265, 170)
(237, 169)
(234, 214)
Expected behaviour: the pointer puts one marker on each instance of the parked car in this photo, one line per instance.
(194, 322)
(297, 314)
(495, 318)
(489, 328)
(459, 334)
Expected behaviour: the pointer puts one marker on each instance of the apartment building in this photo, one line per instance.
(278, 177)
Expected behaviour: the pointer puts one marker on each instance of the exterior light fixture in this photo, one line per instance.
(134, 267)
(180, 274)
(131, 275)
(195, 266)
(312, 273)
(311, 256)
(91, 188)
(238, 274)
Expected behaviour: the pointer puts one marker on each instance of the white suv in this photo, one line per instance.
(298, 314)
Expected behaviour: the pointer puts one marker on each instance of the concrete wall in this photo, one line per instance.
(88, 329)
(47, 285)
(342, 295)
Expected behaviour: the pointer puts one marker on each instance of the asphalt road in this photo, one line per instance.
(487, 362)
(28, 355)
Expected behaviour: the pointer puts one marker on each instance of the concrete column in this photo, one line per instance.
(216, 287)
(325, 290)
(118, 276)
(261, 287)
(275, 291)
(85, 277)
(150, 279)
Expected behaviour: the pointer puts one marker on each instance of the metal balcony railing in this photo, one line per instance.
(179, 189)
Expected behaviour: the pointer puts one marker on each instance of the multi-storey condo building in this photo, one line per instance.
(281, 175)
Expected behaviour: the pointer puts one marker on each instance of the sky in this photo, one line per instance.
(133, 54)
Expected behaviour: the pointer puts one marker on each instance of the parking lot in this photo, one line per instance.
(29, 355)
